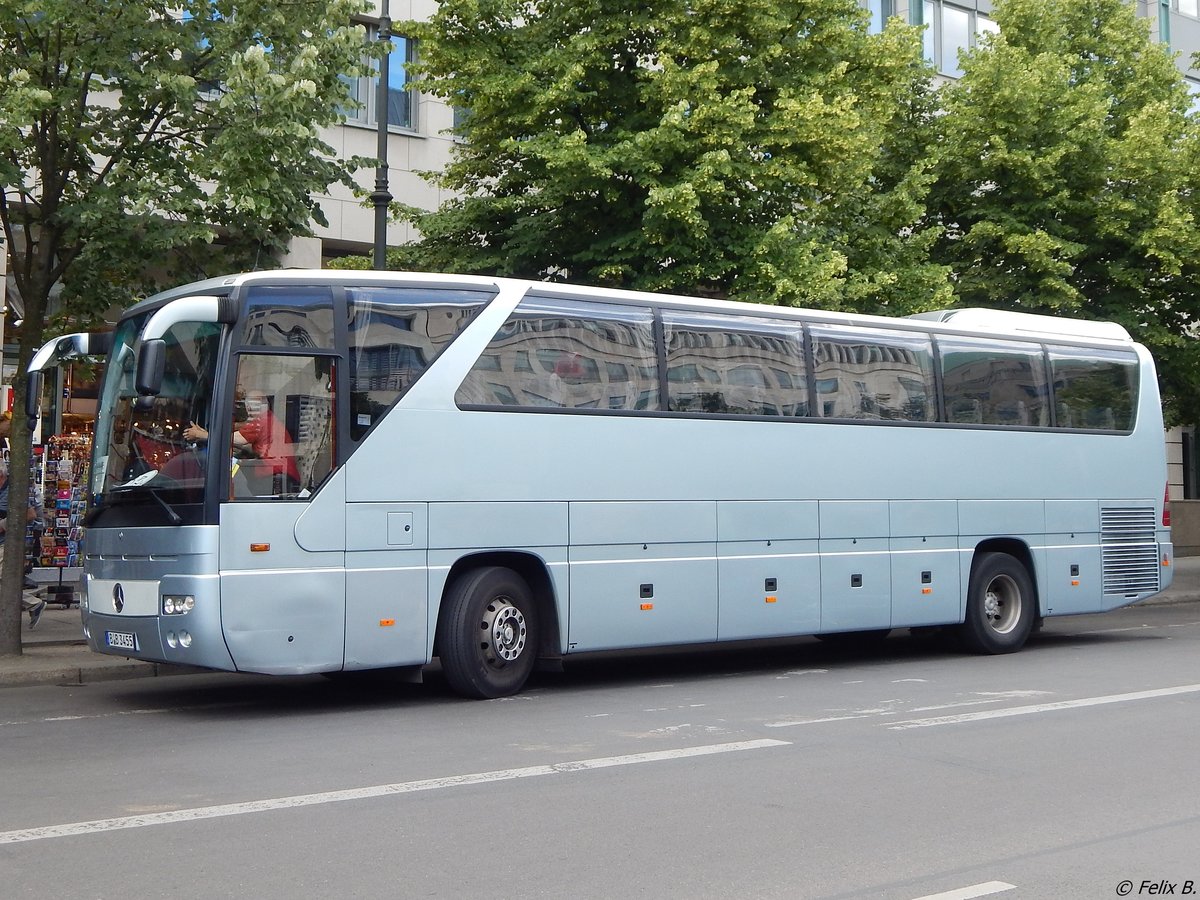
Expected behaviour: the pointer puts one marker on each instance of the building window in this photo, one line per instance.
(880, 11)
(1189, 7)
(402, 101)
(950, 30)
(1193, 86)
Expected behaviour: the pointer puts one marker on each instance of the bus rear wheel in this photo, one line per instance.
(1001, 605)
(487, 633)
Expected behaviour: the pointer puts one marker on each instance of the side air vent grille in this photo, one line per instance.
(1129, 550)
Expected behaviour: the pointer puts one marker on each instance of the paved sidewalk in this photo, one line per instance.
(55, 652)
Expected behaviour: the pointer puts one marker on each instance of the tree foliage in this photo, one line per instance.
(1065, 179)
(769, 151)
(133, 133)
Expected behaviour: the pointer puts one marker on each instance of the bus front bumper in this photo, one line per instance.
(178, 640)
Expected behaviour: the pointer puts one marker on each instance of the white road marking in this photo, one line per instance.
(841, 715)
(1045, 707)
(1131, 628)
(788, 723)
(367, 793)
(975, 890)
(109, 715)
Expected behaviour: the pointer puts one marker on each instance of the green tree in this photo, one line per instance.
(134, 134)
(1065, 179)
(768, 151)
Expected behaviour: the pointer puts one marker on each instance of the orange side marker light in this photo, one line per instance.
(386, 623)
(647, 606)
(772, 599)
(260, 548)
(926, 590)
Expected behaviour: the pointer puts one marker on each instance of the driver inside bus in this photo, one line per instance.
(259, 435)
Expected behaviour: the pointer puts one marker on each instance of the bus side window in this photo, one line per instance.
(722, 365)
(874, 374)
(994, 383)
(1094, 389)
(394, 334)
(579, 356)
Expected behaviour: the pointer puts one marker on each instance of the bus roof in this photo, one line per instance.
(995, 320)
(966, 321)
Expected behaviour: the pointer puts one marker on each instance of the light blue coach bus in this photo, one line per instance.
(316, 471)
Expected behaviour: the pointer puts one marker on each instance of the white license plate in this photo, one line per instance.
(121, 639)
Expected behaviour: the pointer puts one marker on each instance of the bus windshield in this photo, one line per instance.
(141, 452)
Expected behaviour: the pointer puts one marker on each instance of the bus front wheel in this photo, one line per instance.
(1001, 605)
(487, 634)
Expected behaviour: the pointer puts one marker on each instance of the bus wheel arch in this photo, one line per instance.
(524, 581)
(1002, 600)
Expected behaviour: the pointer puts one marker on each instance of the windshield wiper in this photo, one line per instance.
(171, 514)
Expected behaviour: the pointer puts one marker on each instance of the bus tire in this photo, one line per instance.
(1001, 605)
(488, 633)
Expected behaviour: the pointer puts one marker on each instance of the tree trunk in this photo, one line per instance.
(12, 574)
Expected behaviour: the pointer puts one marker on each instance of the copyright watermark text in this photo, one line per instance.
(1160, 888)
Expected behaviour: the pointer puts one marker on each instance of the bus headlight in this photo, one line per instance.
(177, 604)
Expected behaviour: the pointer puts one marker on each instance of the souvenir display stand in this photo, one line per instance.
(57, 551)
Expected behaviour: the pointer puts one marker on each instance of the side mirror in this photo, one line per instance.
(151, 364)
(33, 396)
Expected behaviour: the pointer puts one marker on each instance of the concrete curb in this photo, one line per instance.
(73, 663)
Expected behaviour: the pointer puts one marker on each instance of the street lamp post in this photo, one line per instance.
(381, 197)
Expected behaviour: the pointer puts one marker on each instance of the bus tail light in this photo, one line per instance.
(1167, 506)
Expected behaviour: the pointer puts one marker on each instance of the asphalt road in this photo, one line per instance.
(796, 770)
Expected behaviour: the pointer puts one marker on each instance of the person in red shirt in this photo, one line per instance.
(264, 436)
(261, 436)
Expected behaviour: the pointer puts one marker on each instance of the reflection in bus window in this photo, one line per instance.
(588, 356)
(1094, 389)
(289, 317)
(987, 384)
(874, 374)
(394, 334)
(720, 365)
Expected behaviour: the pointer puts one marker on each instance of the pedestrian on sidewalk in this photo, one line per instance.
(30, 602)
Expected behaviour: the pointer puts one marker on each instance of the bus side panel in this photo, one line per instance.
(768, 589)
(497, 526)
(283, 609)
(925, 561)
(387, 600)
(768, 568)
(1073, 567)
(642, 574)
(856, 579)
(925, 581)
(387, 606)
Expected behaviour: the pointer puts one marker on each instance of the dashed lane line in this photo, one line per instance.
(975, 890)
